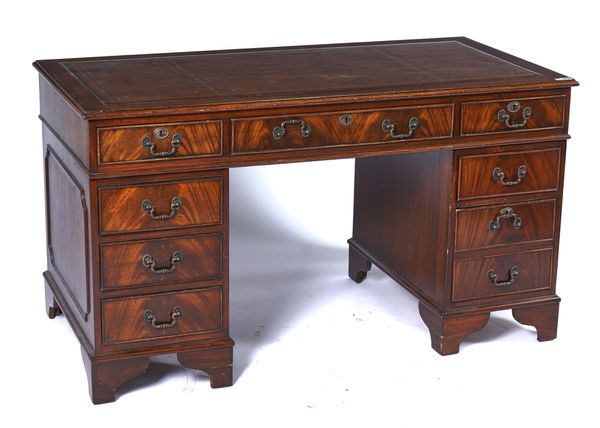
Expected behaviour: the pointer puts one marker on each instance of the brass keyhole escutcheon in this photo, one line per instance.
(513, 106)
(161, 133)
(346, 119)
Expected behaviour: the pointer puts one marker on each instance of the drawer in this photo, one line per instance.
(186, 315)
(504, 224)
(161, 205)
(501, 275)
(511, 172)
(510, 115)
(142, 143)
(160, 261)
(275, 133)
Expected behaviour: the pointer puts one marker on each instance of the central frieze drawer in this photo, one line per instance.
(142, 143)
(161, 205)
(161, 261)
(276, 133)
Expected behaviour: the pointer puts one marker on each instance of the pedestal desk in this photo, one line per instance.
(460, 153)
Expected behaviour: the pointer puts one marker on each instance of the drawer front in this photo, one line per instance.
(507, 173)
(160, 261)
(162, 205)
(502, 275)
(159, 142)
(271, 134)
(186, 315)
(504, 224)
(511, 115)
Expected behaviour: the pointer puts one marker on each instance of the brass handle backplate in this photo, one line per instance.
(512, 277)
(161, 133)
(281, 130)
(499, 175)
(506, 214)
(151, 318)
(514, 107)
(148, 262)
(148, 207)
(390, 128)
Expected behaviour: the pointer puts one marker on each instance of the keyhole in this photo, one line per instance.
(514, 106)
(161, 133)
(346, 119)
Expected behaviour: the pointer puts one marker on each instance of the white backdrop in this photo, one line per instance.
(312, 346)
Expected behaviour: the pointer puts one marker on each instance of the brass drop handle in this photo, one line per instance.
(161, 133)
(389, 127)
(281, 130)
(148, 207)
(149, 263)
(151, 318)
(514, 107)
(506, 214)
(499, 175)
(512, 277)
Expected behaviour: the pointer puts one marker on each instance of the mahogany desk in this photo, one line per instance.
(459, 149)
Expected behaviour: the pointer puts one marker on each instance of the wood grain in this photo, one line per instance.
(105, 376)
(124, 144)
(401, 208)
(56, 111)
(543, 317)
(256, 134)
(471, 276)
(447, 332)
(216, 362)
(473, 231)
(123, 319)
(482, 117)
(226, 160)
(202, 258)
(476, 180)
(67, 217)
(121, 206)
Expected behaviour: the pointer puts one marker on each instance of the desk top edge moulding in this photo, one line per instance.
(137, 151)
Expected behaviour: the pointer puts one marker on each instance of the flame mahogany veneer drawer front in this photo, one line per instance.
(504, 224)
(143, 143)
(509, 172)
(507, 115)
(160, 261)
(161, 205)
(276, 133)
(502, 275)
(183, 315)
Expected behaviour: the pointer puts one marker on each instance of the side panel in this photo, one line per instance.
(68, 235)
(401, 217)
(60, 118)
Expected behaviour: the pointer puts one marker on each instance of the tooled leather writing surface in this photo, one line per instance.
(102, 85)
